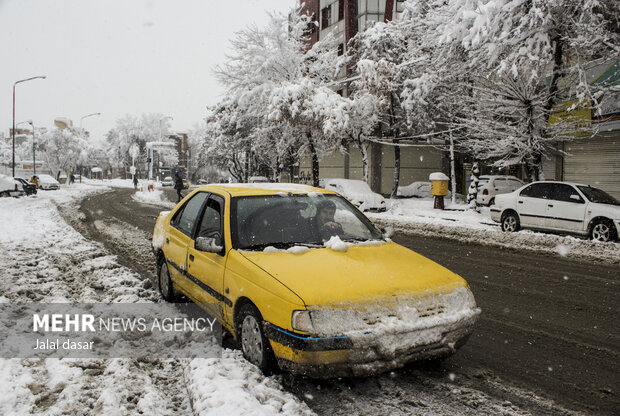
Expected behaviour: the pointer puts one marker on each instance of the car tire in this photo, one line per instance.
(164, 282)
(603, 230)
(254, 344)
(510, 222)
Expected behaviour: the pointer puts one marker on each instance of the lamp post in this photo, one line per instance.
(17, 82)
(82, 134)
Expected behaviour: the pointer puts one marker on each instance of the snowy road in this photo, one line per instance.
(547, 341)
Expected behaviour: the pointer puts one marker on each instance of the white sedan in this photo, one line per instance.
(492, 185)
(559, 206)
(48, 183)
(356, 191)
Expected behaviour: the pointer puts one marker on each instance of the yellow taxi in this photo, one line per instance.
(304, 281)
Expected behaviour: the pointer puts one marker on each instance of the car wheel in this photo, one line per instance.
(510, 222)
(603, 230)
(166, 287)
(254, 345)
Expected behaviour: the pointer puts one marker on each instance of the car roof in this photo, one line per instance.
(566, 183)
(249, 189)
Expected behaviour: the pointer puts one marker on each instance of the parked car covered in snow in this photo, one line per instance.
(415, 189)
(258, 179)
(356, 191)
(303, 280)
(10, 187)
(27, 187)
(559, 206)
(491, 185)
(48, 183)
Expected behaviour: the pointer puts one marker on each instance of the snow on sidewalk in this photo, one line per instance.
(417, 216)
(46, 260)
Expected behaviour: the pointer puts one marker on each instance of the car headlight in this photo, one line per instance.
(301, 321)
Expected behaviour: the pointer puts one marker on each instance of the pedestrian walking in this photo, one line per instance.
(135, 181)
(178, 185)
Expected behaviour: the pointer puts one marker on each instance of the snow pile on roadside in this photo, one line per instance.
(419, 218)
(154, 197)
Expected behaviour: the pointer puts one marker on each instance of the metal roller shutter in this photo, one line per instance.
(595, 161)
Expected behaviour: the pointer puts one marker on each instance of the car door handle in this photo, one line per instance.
(191, 257)
(167, 241)
(550, 205)
(520, 202)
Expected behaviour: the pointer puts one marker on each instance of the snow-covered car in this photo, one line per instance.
(356, 191)
(168, 181)
(27, 187)
(258, 179)
(10, 187)
(415, 189)
(491, 185)
(559, 206)
(303, 280)
(48, 183)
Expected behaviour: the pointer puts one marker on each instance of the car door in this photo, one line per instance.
(566, 210)
(204, 269)
(179, 238)
(532, 204)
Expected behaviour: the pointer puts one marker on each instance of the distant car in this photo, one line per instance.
(356, 191)
(415, 189)
(202, 181)
(28, 188)
(168, 181)
(10, 187)
(258, 179)
(48, 183)
(559, 206)
(491, 185)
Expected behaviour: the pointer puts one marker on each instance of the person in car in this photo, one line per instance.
(324, 222)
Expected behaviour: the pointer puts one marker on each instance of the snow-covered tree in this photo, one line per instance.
(472, 192)
(62, 150)
(522, 58)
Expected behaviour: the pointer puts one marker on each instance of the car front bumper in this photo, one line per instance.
(344, 356)
(496, 214)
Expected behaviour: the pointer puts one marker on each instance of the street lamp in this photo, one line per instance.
(17, 82)
(34, 160)
(82, 135)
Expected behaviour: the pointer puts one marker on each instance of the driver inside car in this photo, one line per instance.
(324, 221)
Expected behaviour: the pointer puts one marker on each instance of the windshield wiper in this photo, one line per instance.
(279, 245)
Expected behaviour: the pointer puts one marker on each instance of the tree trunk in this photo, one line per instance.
(452, 170)
(396, 170)
(360, 144)
(315, 160)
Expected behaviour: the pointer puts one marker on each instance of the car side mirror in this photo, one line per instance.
(575, 198)
(208, 245)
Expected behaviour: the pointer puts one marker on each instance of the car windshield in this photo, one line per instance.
(597, 195)
(284, 221)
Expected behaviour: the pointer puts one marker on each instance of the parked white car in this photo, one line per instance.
(559, 206)
(258, 179)
(48, 183)
(491, 185)
(10, 187)
(357, 192)
(415, 189)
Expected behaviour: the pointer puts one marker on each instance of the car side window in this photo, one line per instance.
(537, 190)
(185, 219)
(211, 224)
(563, 192)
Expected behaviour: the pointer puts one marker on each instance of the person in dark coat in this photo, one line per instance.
(178, 185)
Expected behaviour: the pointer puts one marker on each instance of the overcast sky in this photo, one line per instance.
(117, 57)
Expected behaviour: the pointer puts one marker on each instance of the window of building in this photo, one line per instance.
(326, 15)
(340, 49)
(340, 10)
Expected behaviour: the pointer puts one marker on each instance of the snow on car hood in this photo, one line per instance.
(322, 276)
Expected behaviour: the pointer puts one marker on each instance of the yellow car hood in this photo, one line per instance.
(322, 276)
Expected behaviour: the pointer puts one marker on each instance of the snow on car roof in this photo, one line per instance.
(240, 189)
